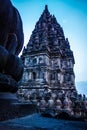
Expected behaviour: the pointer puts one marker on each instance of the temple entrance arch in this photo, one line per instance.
(34, 75)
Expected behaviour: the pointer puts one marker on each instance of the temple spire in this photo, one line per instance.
(46, 8)
(48, 35)
(46, 11)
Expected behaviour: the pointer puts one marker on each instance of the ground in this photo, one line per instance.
(37, 122)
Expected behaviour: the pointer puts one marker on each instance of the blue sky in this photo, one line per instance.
(71, 15)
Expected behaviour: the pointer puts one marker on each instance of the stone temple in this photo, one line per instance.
(48, 59)
(48, 79)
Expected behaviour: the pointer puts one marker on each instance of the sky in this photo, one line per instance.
(71, 15)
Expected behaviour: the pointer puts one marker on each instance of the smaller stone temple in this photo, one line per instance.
(48, 79)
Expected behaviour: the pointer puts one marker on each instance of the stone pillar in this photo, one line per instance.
(59, 76)
(71, 64)
(26, 76)
(47, 76)
(73, 79)
(62, 78)
(37, 60)
(59, 63)
(30, 75)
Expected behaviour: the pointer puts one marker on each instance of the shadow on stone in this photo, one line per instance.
(62, 115)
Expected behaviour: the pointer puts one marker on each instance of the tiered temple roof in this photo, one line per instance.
(48, 36)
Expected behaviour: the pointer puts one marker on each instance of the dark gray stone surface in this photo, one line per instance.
(10, 108)
(11, 66)
(37, 122)
(11, 43)
(11, 30)
(7, 83)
